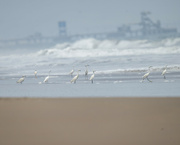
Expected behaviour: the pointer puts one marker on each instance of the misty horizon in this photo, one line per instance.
(20, 18)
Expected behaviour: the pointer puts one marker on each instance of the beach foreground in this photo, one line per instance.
(90, 121)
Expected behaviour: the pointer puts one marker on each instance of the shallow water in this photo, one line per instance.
(105, 85)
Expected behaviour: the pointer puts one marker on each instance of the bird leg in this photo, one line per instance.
(142, 80)
(148, 79)
(164, 77)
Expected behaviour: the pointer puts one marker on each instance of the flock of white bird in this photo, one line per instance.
(74, 79)
(71, 73)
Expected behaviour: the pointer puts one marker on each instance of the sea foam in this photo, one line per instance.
(100, 48)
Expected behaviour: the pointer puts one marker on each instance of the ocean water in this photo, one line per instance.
(118, 64)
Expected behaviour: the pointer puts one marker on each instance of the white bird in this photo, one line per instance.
(92, 77)
(86, 71)
(35, 73)
(71, 72)
(145, 76)
(164, 72)
(21, 79)
(75, 78)
(47, 78)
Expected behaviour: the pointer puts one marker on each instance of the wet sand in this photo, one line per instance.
(90, 121)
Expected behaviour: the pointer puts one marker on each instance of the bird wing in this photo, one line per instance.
(144, 76)
(91, 77)
(71, 72)
(163, 72)
(75, 78)
(20, 80)
(45, 80)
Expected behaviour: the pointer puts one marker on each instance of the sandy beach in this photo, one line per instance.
(90, 121)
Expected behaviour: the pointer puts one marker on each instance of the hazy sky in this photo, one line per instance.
(20, 18)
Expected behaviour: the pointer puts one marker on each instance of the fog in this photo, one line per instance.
(21, 18)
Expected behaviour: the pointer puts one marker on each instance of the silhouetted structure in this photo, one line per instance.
(145, 29)
(62, 28)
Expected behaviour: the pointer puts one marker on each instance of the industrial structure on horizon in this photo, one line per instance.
(145, 29)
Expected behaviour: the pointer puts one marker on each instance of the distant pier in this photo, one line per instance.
(145, 29)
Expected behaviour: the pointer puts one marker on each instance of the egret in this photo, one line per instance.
(35, 73)
(47, 78)
(145, 76)
(75, 78)
(164, 72)
(21, 79)
(92, 77)
(86, 71)
(72, 71)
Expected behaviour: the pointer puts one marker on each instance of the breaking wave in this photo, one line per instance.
(99, 48)
(101, 55)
